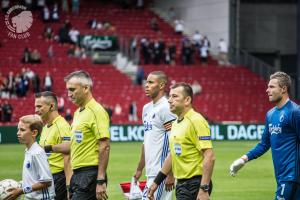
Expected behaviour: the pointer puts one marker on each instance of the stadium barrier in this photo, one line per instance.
(128, 133)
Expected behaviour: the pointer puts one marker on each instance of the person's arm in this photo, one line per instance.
(59, 148)
(166, 169)
(104, 148)
(67, 169)
(208, 165)
(254, 153)
(141, 165)
(16, 192)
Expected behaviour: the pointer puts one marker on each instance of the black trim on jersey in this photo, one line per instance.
(81, 109)
(180, 120)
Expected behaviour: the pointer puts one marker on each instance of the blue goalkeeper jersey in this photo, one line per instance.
(282, 135)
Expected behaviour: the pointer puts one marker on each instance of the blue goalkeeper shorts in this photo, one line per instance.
(288, 191)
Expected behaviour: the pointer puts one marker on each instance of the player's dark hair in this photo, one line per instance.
(187, 89)
(49, 96)
(161, 75)
(283, 80)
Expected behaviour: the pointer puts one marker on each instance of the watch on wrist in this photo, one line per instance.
(205, 187)
(101, 181)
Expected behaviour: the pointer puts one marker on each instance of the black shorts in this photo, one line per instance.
(187, 189)
(83, 183)
(60, 186)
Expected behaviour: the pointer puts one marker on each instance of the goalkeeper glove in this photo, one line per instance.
(237, 165)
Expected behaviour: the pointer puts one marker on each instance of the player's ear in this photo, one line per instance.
(35, 133)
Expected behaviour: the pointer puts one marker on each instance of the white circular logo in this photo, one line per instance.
(18, 20)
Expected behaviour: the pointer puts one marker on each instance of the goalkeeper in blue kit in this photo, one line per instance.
(282, 135)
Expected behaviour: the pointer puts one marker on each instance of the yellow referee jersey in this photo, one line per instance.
(55, 133)
(188, 137)
(90, 124)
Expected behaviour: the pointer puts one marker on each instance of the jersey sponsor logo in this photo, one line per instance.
(78, 136)
(177, 149)
(147, 126)
(275, 129)
(204, 137)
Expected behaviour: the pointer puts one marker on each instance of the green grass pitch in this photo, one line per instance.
(255, 181)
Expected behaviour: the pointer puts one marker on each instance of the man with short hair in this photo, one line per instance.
(191, 155)
(90, 143)
(55, 131)
(282, 135)
(157, 120)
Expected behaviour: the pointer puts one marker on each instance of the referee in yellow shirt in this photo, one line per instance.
(56, 131)
(90, 144)
(191, 156)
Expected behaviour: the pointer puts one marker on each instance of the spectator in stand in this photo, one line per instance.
(140, 76)
(197, 88)
(179, 27)
(5, 4)
(187, 52)
(28, 4)
(172, 51)
(146, 50)
(48, 82)
(7, 111)
(71, 51)
(109, 111)
(63, 33)
(46, 14)
(26, 55)
(36, 83)
(172, 14)
(140, 4)
(41, 4)
(65, 6)
(75, 6)
(154, 24)
(55, 15)
(203, 54)
(118, 109)
(68, 115)
(50, 52)
(35, 56)
(61, 104)
(197, 39)
(10, 84)
(92, 23)
(223, 50)
(132, 112)
(74, 35)
(48, 33)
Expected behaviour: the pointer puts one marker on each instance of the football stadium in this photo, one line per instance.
(121, 90)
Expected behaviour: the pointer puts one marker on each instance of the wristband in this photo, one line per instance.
(101, 181)
(27, 189)
(159, 178)
(48, 148)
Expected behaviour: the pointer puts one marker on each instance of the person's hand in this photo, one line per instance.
(202, 195)
(101, 192)
(170, 183)
(13, 193)
(137, 175)
(151, 190)
(236, 166)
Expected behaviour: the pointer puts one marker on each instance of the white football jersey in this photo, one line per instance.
(36, 169)
(157, 120)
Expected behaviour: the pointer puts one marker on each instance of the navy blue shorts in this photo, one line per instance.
(288, 191)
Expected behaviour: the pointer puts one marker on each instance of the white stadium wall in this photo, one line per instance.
(210, 17)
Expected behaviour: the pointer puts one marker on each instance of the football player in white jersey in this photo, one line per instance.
(37, 181)
(157, 120)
